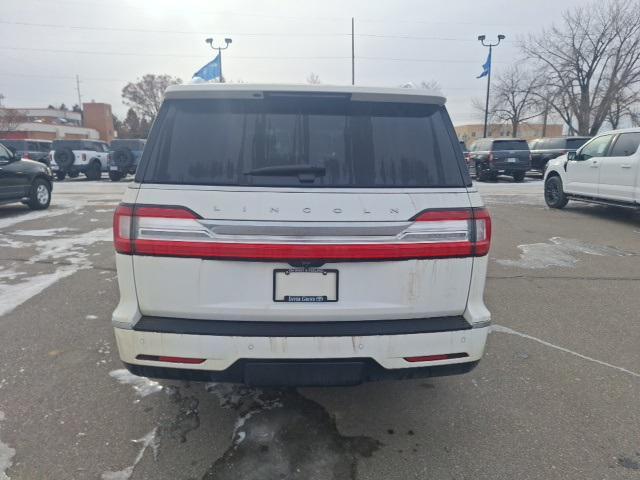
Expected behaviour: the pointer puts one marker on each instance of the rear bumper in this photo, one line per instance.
(302, 373)
(305, 353)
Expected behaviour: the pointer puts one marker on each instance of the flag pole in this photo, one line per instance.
(486, 105)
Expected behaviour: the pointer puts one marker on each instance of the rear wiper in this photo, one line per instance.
(305, 173)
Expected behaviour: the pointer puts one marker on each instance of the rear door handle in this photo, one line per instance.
(626, 165)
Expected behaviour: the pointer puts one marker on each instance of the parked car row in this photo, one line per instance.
(24, 180)
(89, 157)
(489, 157)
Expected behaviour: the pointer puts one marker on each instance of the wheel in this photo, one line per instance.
(64, 158)
(40, 196)
(123, 158)
(94, 170)
(518, 176)
(485, 175)
(554, 194)
(74, 174)
(115, 176)
(60, 175)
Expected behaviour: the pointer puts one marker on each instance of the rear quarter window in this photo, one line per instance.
(357, 144)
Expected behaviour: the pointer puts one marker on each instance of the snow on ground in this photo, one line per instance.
(141, 385)
(559, 252)
(6, 454)
(149, 440)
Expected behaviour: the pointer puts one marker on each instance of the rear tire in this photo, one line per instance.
(518, 176)
(554, 193)
(116, 176)
(40, 196)
(60, 175)
(74, 174)
(94, 170)
(485, 175)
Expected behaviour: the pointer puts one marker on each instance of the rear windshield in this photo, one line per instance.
(575, 143)
(321, 142)
(510, 145)
(131, 144)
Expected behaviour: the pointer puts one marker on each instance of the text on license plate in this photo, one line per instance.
(300, 285)
(512, 160)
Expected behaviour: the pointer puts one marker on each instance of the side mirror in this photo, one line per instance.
(572, 156)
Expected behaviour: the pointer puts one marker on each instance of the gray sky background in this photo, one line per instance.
(45, 43)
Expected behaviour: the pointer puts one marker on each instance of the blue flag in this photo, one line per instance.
(211, 70)
(486, 67)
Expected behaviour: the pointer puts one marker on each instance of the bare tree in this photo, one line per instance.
(622, 106)
(10, 119)
(145, 95)
(513, 100)
(431, 85)
(590, 56)
(313, 79)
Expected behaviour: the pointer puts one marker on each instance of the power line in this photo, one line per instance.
(247, 34)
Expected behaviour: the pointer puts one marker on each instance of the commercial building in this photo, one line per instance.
(471, 132)
(99, 117)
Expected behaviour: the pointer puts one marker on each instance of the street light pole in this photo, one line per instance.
(227, 42)
(482, 38)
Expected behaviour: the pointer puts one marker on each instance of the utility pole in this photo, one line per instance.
(79, 98)
(227, 42)
(482, 38)
(353, 52)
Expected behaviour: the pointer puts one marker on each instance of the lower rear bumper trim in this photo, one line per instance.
(301, 373)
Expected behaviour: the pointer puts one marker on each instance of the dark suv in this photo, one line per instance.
(545, 149)
(490, 157)
(124, 156)
(37, 150)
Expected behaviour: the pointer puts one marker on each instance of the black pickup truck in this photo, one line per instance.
(545, 149)
(489, 157)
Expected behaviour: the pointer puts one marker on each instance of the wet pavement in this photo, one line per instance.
(556, 395)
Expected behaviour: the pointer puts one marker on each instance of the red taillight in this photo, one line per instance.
(162, 358)
(177, 232)
(26, 156)
(434, 358)
(122, 223)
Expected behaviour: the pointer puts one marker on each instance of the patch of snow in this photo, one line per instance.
(92, 220)
(15, 294)
(6, 454)
(141, 385)
(91, 317)
(104, 210)
(48, 232)
(149, 440)
(11, 243)
(560, 252)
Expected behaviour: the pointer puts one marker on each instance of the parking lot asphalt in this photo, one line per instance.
(556, 396)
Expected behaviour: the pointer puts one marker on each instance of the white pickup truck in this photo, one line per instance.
(604, 170)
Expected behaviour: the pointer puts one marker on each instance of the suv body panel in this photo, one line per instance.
(545, 149)
(85, 152)
(496, 156)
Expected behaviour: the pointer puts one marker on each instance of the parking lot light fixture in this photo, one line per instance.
(481, 39)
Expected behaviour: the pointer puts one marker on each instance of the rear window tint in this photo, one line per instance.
(355, 144)
(15, 144)
(72, 144)
(510, 145)
(131, 144)
(626, 145)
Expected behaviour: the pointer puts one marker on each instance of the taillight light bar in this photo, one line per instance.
(176, 232)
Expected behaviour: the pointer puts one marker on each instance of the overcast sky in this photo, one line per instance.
(45, 43)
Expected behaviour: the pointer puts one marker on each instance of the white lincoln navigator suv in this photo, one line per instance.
(301, 235)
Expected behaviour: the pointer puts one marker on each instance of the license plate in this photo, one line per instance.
(512, 160)
(113, 168)
(305, 285)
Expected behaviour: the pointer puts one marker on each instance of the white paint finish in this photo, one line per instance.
(559, 252)
(236, 290)
(149, 440)
(501, 329)
(6, 455)
(142, 386)
(220, 351)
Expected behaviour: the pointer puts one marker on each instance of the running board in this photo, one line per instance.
(600, 201)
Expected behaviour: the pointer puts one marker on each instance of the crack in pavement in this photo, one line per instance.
(501, 329)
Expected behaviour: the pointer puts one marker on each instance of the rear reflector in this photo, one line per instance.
(433, 358)
(161, 358)
(177, 232)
